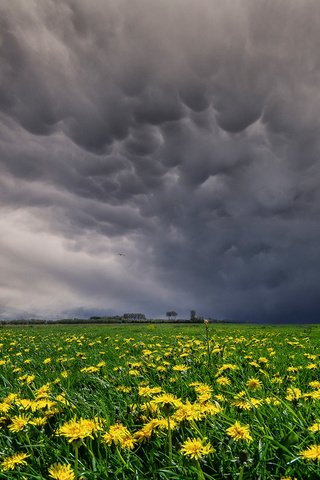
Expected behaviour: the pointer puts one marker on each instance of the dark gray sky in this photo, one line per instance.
(183, 133)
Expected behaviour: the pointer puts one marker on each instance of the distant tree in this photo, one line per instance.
(192, 315)
(134, 316)
(171, 313)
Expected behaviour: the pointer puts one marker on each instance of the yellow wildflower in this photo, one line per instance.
(76, 430)
(188, 412)
(180, 368)
(239, 432)
(253, 383)
(10, 463)
(119, 435)
(311, 453)
(293, 394)
(18, 423)
(58, 471)
(194, 448)
(167, 400)
(315, 427)
(39, 421)
(148, 391)
(89, 369)
(223, 380)
(315, 384)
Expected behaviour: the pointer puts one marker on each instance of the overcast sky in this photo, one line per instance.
(182, 133)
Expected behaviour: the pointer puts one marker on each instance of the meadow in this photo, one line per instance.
(178, 402)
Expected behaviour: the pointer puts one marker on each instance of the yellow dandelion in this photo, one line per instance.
(253, 383)
(243, 404)
(227, 366)
(39, 421)
(315, 384)
(315, 395)
(311, 453)
(210, 409)
(148, 391)
(150, 409)
(58, 471)
(76, 430)
(124, 389)
(29, 379)
(312, 366)
(167, 400)
(91, 369)
(4, 407)
(223, 381)
(119, 435)
(293, 394)
(188, 412)
(18, 423)
(101, 364)
(11, 462)
(194, 448)
(11, 398)
(180, 368)
(43, 392)
(239, 432)
(146, 431)
(315, 427)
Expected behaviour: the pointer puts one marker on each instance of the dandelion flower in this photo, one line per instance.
(223, 380)
(10, 463)
(39, 421)
(167, 400)
(311, 453)
(180, 368)
(189, 412)
(61, 472)
(18, 423)
(148, 391)
(253, 383)
(119, 435)
(293, 394)
(76, 430)
(194, 448)
(315, 384)
(315, 427)
(239, 432)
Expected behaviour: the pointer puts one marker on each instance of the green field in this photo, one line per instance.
(160, 402)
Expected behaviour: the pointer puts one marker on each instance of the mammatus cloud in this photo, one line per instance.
(185, 134)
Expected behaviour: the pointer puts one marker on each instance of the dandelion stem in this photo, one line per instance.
(169, 440)
(241, 473)
(76, 460)
(200, 472)
(122, 459)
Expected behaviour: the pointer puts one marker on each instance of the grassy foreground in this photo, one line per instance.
(160, 402)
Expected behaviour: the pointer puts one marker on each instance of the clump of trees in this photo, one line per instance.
(171, 314)
(134, 316)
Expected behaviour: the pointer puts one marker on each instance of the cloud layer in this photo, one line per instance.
(182, 133)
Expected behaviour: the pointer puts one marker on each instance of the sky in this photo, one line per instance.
(184, 134)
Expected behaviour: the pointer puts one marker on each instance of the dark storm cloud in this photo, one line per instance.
(185, 133)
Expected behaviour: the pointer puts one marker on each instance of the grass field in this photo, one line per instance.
(160, 402)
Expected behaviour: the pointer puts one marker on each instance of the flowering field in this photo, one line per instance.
(160, 402)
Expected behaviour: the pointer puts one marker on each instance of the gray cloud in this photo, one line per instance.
(183, 133)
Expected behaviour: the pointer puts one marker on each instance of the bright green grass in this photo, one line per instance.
(282, 359)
